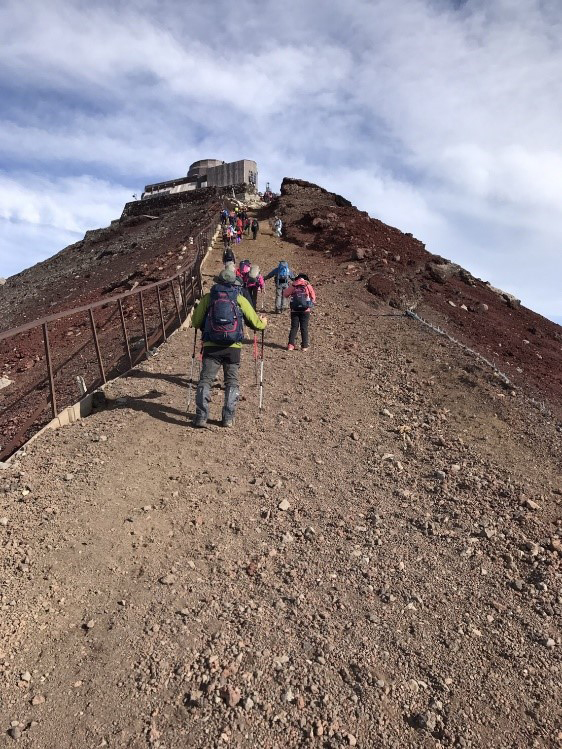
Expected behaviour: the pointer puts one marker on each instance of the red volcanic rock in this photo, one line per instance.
(399, 272)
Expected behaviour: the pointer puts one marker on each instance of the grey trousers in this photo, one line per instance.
(279, 298)
(229, 359)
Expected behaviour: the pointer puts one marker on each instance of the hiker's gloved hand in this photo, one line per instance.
(264, 320)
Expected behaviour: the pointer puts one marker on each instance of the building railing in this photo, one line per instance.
(185, 287)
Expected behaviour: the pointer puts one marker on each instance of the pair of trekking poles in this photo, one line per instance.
(258, 367)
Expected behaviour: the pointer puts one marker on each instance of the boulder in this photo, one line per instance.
(320, 223)
(361, 253)
(5, 382)
(509, 299)
(441, 272)
(467, 277)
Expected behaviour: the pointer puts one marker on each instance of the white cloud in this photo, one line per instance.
(443, 122)
(39, 216)
(23, 244)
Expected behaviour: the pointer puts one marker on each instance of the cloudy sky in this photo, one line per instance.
(440, 117)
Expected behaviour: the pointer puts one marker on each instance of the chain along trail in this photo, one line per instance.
(373, 561)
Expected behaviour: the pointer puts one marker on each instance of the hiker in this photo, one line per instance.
(247, 225)
(227, 236)
(228, 255)
(242, 288)
(224, 217)
(282, 275)
(254, 283)
(303, 298)
(243, 270)
(255, 227)
(220, 315)
(277, 226)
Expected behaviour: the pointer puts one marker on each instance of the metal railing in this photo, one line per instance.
(184, 286)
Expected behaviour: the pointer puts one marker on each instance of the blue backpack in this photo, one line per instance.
(283, 272)
(224, 323)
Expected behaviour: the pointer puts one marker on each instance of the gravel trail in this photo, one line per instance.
(374, 561)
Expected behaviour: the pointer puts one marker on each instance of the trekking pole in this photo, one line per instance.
(192, 366)
(200, 361)
(256, 356)
(261, 372)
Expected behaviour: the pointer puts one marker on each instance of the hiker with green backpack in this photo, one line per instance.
(220, 315)
(282, 275)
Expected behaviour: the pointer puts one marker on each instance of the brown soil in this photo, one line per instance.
(398, 271)
(154, 594)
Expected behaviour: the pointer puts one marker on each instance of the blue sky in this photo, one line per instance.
(439, 117)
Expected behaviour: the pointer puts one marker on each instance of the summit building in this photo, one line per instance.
(208, 173)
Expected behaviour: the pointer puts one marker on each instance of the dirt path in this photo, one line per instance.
(154, 595)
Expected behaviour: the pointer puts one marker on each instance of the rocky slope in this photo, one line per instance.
(138, 249)
(375, 561)
(398, 271)
(150, 242)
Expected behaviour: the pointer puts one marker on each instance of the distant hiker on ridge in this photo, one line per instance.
(220, 315)
(255, 226)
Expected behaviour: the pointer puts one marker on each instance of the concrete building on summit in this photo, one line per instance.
(208, 173)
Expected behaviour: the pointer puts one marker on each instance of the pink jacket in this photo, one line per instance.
(259, 281)
(301, 282)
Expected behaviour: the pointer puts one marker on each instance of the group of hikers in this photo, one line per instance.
(235, 224)
(220, 316)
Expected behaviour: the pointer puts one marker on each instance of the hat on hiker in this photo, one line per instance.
(302, 275)
(226, 276)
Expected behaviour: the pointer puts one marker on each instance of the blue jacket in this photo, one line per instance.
(274, 273)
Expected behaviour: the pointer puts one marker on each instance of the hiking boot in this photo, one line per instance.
(304, 348)
(200, 423)
(227, 423)
(290, 347)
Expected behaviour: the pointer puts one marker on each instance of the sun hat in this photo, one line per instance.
(226, 276)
